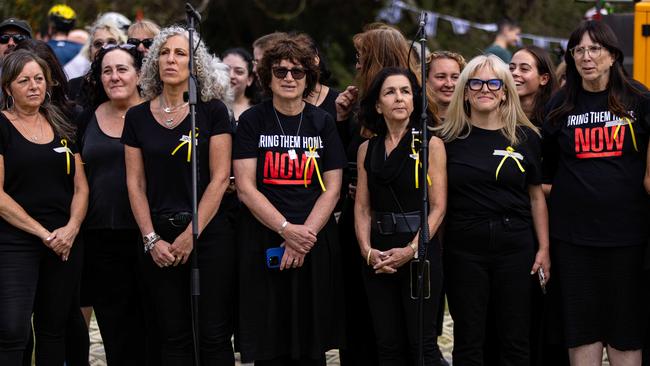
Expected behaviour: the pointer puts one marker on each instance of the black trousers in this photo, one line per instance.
(288, 361)
(395, 316)
(489, 261)
(34, 279)
(169, 292)
(116, 293)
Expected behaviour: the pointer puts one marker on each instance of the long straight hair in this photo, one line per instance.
(458, 123)
(544, 65)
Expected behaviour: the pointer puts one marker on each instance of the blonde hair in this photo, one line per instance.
(458, 123)
(111, 28)
(443, 54)
(144, 25)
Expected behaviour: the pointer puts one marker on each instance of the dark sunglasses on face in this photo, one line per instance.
(147, 42)
(99, 43)
(477, 84)
(4, 39)
(296, 73)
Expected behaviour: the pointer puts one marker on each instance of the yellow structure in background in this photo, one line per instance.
(642, 42)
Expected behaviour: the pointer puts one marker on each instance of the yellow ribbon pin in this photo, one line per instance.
(509, 154)
(629, 123)
(64, 143)
(415, 155)
(187, 140)
(312, 157)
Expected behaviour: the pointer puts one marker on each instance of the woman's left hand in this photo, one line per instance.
(181, 248)
(393, 259)
(61, 240)
(543, 260)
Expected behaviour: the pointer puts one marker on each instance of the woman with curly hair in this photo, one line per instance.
(157, 137)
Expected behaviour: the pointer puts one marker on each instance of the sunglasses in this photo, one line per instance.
(4, 39)
(100, 43)
(477, 84)
(123, 46)
(296, 72)
(147, 42)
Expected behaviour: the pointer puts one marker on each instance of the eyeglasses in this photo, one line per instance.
(296, 73)
(147, 42)
(100, 43)
(123, 46)
(4, 39)
(477, 84)
(579, 52)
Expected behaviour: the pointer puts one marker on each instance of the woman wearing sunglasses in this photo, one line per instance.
(288, 162)
(496, 211)
(141, 35)
(157, 137)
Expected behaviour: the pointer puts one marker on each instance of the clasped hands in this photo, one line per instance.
(61, 240)
(298, 241)
(389, 261)
(165, 254)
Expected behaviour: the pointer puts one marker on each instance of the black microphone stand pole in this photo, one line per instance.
(424, 212)
(195, 290)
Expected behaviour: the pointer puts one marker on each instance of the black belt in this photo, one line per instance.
(387, 223)
(179, 219)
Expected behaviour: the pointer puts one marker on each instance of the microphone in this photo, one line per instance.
(423, 18)
(191, 12)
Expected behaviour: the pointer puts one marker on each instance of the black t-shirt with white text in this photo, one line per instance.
(39, 177)
(489, 178)
(283, 146)
(167, 157)
(596, 163)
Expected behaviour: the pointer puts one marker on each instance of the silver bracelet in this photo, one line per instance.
(150, 241)
(284, 226)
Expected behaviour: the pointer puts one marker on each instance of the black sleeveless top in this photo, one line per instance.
(397, 172)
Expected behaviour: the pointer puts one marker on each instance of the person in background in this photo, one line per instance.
(560, 74)
(263, 44)
(444, 69)
(12, 32)
(534, 75)
(243, 81)
(141, 35)
(79, 36)
(44, 198)
(508, 32)
(62, 19)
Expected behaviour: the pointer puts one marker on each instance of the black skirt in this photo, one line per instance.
(297, 313)
(603, 294)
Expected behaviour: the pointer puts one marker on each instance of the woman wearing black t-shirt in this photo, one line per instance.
(158, 173)
(387, 209)
(110, 232)
(43, 201)
(595, 146)
(496, 211)
(288, 163)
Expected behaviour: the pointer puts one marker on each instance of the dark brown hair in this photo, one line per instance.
(544, 65)
(288, 49)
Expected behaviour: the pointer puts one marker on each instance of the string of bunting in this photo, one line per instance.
(392, 14)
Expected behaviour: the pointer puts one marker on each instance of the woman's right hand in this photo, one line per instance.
(291, 259)
(299, 238)
(345, 101)
(161, 255)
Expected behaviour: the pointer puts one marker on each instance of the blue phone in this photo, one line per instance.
(274, 257)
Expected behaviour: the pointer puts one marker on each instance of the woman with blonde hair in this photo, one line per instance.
(444, 70)
(496, 211)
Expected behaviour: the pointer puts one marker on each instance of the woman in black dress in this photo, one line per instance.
(496, 211)
(288, 162)
(387, 209)
(158, 174)
(595, 147)
(43, 201)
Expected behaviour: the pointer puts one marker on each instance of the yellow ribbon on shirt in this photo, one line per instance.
(64, 143)
(189, 144)
(417, 164)
(629, 123)
(510, 151)
(312, 157)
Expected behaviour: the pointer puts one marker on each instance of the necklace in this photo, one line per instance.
(173, 112)
(31, 136)
(169, 109)
(277, 118)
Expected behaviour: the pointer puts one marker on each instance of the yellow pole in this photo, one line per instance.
(642, 42)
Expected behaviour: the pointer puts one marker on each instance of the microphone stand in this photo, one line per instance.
(422, 263)
(195, 289)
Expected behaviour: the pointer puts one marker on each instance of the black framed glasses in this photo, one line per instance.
(99, 43)
(296, 72)
(579, 52)
(147, 42)
(477, 84)
(4, 39)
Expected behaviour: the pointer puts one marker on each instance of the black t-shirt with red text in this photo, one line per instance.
(283, 147)
(596, 162)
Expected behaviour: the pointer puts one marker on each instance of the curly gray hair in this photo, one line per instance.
(213, 76)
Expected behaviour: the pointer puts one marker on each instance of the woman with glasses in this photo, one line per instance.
(110, 232)
(43, 202)
(595, 144)
(157, 136)
(141, 35)
(288, 162)
(496, 212)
